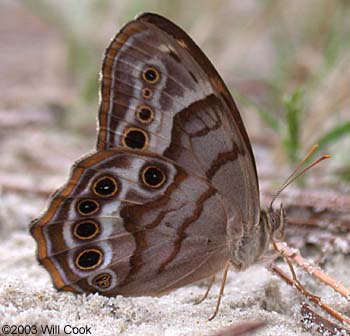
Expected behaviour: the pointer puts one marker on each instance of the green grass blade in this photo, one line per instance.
(265, 115)
(291, 140)
(335, 134)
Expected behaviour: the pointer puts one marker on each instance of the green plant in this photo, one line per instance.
(293, 105)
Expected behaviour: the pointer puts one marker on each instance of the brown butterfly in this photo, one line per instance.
(171, 195)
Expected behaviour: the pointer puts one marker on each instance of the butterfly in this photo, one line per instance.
(171, 194)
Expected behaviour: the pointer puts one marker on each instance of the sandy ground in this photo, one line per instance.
(32, 154)
(28, 298)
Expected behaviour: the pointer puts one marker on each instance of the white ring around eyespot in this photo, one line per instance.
(105, 226)
(107, 257)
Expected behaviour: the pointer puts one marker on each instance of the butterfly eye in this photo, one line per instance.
(135, 138)
(151, 75)
(88, 207)
(144, 114)
(153, 177)
(102, 281)
(105, 186)
(89, 259)
(86, 230)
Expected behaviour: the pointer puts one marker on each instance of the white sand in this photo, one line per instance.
(26, 293)
(28, 298)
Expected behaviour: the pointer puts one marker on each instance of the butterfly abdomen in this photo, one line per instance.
(247, 243)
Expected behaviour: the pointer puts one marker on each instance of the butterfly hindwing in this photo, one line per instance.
(127, 223)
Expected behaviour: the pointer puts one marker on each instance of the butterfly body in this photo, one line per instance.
(171, 193)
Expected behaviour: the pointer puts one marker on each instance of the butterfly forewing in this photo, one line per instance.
(195, 120)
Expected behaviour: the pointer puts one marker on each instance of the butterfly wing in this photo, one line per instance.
(163, 107)
(160, 93)
(131, 223)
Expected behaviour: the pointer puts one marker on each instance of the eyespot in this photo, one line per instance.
(89, 259)
(86, 229)
(144, 114)
(146, 93)
(102, 280)
(105, 186)
(153, 177)
(88, 207)
(151, 75)
(135, 138)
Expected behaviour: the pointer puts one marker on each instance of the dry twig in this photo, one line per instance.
(23, 186)
(315, 322)
(294, 256)
(313, 298)
(245, 328)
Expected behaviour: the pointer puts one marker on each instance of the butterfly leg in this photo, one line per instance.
(296, 282)
(221, 293)
(212, 280)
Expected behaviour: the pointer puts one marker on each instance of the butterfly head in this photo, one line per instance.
(275, 222)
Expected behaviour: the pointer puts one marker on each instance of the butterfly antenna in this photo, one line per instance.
(296, 174)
